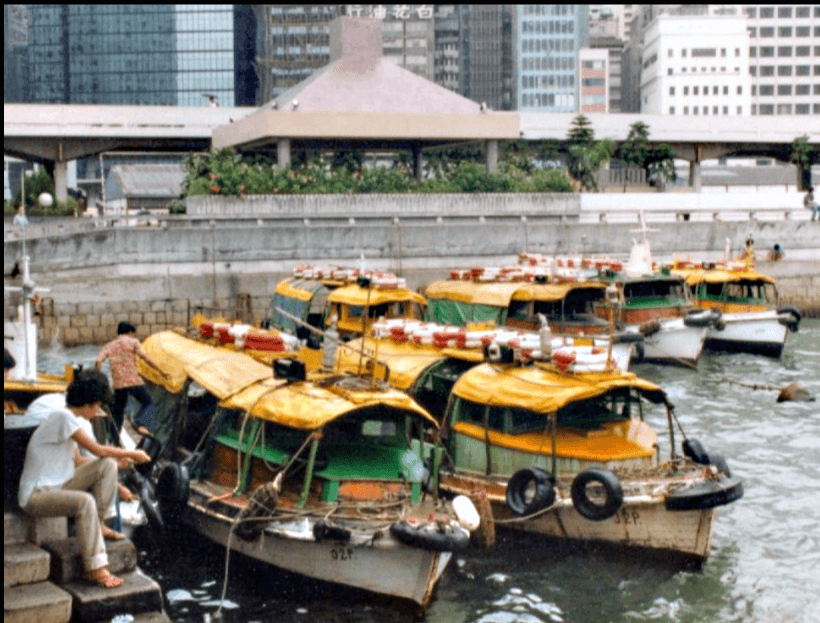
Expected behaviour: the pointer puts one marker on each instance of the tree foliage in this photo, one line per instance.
(226, 172)
(585, 155)
(657, 161)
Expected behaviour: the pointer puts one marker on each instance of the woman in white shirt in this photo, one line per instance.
(57, 481)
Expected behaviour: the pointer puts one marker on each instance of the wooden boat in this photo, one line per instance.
(355, 297)
(656, 304)
(750, 318)
(25, 382)
(564, 453)
(323, 478)
(472, 297)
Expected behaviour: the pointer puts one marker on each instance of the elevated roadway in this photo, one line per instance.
(57, 133)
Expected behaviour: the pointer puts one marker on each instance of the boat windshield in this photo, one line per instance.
(666, 290)
(751, 292)
(588, 414)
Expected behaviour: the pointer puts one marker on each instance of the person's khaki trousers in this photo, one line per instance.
(84, 497)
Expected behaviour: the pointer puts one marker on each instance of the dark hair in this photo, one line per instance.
(8, 361)
(125, 327)
(89, 386)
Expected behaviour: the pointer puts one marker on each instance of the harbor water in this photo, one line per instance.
(764, 565)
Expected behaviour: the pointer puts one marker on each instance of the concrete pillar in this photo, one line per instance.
(283, 152)
(694, 169)
(418, 161)
(492, 156)
(61, 181)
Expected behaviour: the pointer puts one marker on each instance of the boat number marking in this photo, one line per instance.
(627, 516)
(341, 553)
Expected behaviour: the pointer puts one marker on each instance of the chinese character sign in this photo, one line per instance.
(396, 11)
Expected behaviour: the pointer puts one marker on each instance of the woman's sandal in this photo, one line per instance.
(102, 577)
(112, 535)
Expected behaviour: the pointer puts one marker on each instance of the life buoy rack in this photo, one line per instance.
(609, 485)
(707, 495)
(429, 536)
(530, 490)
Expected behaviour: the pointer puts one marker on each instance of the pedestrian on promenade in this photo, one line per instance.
(123, 353)
(57, 481)
(810, 204)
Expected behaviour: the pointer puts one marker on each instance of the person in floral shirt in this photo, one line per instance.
(123, 353)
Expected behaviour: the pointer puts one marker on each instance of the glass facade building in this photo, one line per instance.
(549, 37)
(136, 54)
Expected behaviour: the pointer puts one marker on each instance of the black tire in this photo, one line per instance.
(701, 318)
(796, 315)
(434, 540)
(152, 447)
(150, 506)
(530, 490)
(694, 450)
(719, 461)
(613, 494)
(707, 495)
(173, 490)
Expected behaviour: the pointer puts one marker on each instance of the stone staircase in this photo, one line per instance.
(42, 584)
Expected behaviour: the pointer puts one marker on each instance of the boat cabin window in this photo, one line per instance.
(379, 428)
(473, 412)
(753, 292)
(668, 290)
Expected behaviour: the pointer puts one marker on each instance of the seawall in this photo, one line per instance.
(158, 275)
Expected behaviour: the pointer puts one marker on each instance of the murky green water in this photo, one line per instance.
(764, 568)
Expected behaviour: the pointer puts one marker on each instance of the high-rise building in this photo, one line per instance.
(183, 55)
(487, 55)
(594, 79)
(549, 37)
(447, 57)
(293, 42)
(696, 65)
(784, 58)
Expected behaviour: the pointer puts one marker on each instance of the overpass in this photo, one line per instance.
(692, 138)
(57, 133)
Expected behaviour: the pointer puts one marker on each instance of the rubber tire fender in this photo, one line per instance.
(173, 490)
(796, 314)
(437, 541)
(719, 461)
(517, 487)
(695, 451)
(612, 488)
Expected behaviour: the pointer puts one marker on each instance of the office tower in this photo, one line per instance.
(695, 65)
(784, 58)
(549, 37)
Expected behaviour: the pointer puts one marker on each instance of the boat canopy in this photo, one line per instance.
(541, 390)
(480, 293)
(406, 362)
(298, 297)
(240, 382)
(553, 291)
(717, 275)
(357, 296)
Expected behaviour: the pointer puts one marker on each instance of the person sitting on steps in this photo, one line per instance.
(58, 482)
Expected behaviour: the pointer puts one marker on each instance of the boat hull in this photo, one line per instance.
(643, 522)
(675, 342)
(640, 523)
(384, 566)
(753, 332)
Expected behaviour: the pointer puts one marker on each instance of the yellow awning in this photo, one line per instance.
(494, 294)
(220, 371)
(240, 382)
(405, 361)
(356, 295)
(540, 390)
(552, 291)
(695, 276)
(290, 288)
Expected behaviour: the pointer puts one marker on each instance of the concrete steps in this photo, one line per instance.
(42, 579)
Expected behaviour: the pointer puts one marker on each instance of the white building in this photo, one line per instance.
(784, 58)
(696, 65)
